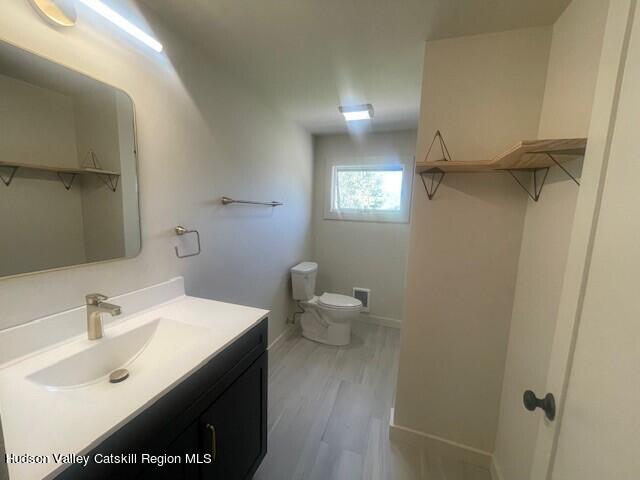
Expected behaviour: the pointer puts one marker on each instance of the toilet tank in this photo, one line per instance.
(303, 279)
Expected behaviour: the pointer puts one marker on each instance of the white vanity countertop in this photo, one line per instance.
(41, 421)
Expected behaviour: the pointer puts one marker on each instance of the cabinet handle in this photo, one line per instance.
(214, 449)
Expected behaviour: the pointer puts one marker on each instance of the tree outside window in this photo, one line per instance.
(368, 188)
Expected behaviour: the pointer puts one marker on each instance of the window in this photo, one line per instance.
(368, 188)
(377, 192)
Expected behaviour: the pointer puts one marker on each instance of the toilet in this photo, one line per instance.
(326, 318)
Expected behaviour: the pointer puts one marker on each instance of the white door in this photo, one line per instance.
(595, 364)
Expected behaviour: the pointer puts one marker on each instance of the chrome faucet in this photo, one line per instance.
(96, 306)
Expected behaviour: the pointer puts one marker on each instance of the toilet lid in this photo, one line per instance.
(335, 300)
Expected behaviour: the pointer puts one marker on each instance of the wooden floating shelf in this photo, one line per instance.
(47, 168)
(526, 155)
(65, 174)
(443, 166)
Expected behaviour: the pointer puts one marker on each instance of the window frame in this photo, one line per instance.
(394, 163)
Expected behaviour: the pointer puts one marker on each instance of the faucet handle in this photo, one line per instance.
(95, 298)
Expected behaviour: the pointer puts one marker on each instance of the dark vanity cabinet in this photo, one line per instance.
(214, 422)
(233, 427)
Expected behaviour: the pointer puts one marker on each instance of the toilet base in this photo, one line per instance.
(337, 334)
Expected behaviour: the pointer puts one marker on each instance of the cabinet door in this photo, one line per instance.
(185, 444)
(234, 428)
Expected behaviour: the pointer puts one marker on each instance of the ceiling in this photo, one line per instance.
(309, 56)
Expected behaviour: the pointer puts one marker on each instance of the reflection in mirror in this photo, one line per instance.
(69, 185)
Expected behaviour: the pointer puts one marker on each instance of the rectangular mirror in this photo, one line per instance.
(68, 171)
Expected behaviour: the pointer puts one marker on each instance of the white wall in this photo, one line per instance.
(38, 127)
(566, 112)
(484, 93)
(573, 68)
(361, 254)
(202, 135)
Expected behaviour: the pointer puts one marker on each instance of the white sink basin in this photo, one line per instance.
(150, 344)
(52, 376)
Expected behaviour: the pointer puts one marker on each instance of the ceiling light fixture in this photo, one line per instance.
(60, 13)
(357, 112)
(118, 20)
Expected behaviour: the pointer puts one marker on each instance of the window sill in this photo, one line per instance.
(399, 217)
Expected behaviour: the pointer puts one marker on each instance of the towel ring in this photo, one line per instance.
(180, 230)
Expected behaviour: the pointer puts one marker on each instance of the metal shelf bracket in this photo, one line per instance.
(91, 161)
(562, 168)
(111, 181)
(446, 156)
(432, 188)
(67, 183)
(435, 175)
(7, 180)
(538, 184)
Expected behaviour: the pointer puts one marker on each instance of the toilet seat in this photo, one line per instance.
(339, 302)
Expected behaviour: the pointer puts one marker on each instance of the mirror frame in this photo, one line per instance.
(136, 156)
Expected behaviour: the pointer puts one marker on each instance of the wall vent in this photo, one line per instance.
(362, 294)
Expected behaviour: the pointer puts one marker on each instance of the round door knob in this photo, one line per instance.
(548, 403)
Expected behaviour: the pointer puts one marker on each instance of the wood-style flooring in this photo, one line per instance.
(329, 413)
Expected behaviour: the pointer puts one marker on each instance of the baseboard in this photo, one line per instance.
(288, 330)
(440, 445)
(494, 469)
(376, 320)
